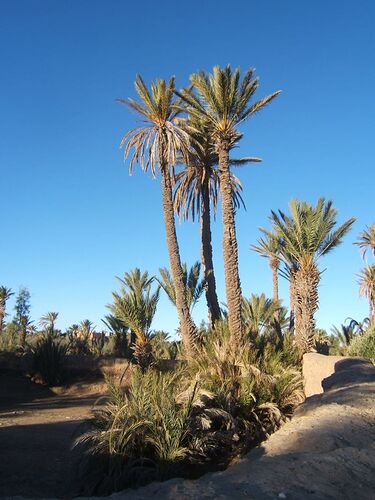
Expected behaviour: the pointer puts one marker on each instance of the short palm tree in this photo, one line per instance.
(259, 314)
(5, 294)
(222, 100)
(135, 306)
(306, 236)
(366, 240)
(367, 288)
(86, 330)
(269, 246)
(119, 330)
(194, 286)
(197, 188)
(155, 146)
(48, 321)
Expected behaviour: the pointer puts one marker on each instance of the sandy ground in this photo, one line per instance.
(37, 428)
(326, 452)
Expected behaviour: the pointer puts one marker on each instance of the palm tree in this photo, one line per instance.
(306, 236)
(193, 285)
(367, 288)
(120, 332)
(155, 146)
(223, 101)
(259, 313)
(269, 247)
(135, 306)
(366, 240)
(197, 187)
(5, 294)
(86, 330)
(48, 322)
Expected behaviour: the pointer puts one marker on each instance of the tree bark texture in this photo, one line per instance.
(307, 281)
(207, 259)
(230, 251)
(188, 328)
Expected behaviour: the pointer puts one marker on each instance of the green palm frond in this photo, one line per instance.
(135, 305)
(194, 286)
(222, 100)
(309, 231)
(366, 241)
(160, 139)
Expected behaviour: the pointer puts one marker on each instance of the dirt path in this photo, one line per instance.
(37, 428)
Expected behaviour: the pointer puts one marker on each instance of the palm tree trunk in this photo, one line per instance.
(307, 281)
(230, 250)
(2, 315)
(292, 302)
(23, 332)
(274, 264)
(207, 260)
(188, 328)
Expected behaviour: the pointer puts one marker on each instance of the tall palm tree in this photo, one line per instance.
(223, 101)
(193, 284)
(306, 236)
(5, 294)
(48, 321)
(135, 306)
(197, 187)
(155, 146)
(269, 246)
(366, 240)
(367, 288)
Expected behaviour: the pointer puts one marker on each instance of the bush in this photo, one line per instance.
(363, 345)
(191, 420)
(139, 435)
(48, 360)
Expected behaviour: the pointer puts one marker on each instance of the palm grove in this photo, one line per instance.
(235, 380)
(199, 127)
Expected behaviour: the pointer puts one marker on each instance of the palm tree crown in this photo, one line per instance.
(193, 284)
(366, 241)
(308, 234)
(223, 101)
(158, 142)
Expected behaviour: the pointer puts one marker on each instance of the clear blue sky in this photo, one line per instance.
(72, 218)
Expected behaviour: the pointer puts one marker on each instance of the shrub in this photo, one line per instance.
(192, 419)
(48, 360)
(139, 435)
(363, 345)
